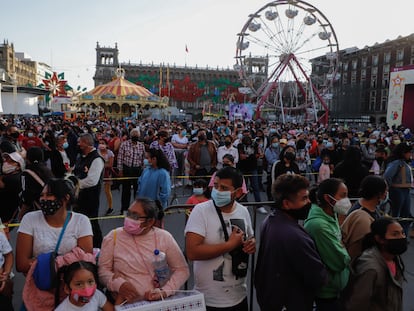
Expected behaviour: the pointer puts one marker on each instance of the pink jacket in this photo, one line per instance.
(39, 300)
(128, 258)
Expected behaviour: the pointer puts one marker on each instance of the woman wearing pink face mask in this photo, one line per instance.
(125, 262)
(80, 280)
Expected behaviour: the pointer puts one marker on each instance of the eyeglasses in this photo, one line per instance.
(135, 216)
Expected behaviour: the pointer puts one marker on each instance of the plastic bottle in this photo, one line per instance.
(161, 269)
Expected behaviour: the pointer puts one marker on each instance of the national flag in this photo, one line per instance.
(186, 48)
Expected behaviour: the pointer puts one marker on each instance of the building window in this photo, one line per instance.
(384, 100)
(385, 82)
(363, 73)
(374, 70)
(346, 66)
(375, 60)
(354, 64)
(374, 81)
(400, 55)
(386, 68)
(364, 62)
(344, 78)
(372, 100)
(387, 57)
(399, 64)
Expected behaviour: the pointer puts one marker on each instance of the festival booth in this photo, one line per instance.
(20, 100)
(400, 108)
(121, 98)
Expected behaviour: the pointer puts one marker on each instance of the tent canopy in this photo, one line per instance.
(120, 87)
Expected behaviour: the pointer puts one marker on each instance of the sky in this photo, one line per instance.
(63, 34)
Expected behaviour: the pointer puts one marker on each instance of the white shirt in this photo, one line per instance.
(179, 140)
(45, 237)
(223, 150)
(94, 174)
(97, 301)
(214, 277)
(5, 248)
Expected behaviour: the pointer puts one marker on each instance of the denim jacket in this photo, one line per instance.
(398, 174)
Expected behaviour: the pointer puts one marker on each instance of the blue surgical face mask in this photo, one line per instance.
(146, 162)
(198, 191)
(385, 200)
(329, 144)
(275, 145)
(65, 145)
(221, 198)
(183, 132)
(372, 141)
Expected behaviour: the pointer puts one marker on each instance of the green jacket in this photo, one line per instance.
(325, 231)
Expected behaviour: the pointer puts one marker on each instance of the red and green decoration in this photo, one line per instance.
(56, 84)
(219, 91)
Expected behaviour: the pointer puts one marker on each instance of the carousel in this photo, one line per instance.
(120, 98)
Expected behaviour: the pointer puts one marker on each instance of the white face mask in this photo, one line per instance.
(342, 206)
(8, 168)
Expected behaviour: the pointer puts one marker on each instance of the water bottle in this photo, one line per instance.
(161, 269)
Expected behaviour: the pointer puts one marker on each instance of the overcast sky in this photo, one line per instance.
(63, 34)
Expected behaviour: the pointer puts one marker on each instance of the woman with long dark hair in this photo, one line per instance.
(155, 181)
(34, 178)
(377, 275)
(351, 170)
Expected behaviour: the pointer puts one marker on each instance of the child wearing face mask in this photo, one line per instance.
(80, 280)
(199, 192)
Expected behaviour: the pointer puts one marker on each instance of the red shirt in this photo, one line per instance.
(28, 142)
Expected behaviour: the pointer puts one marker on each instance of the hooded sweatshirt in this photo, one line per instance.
(324, 230)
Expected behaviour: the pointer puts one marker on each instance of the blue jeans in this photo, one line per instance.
(401, 205)
(254, 183)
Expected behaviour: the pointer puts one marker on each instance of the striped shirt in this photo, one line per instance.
(131, 155)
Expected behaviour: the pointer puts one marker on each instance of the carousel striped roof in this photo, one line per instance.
(120, 87)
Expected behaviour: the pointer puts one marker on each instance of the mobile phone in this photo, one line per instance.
(239, 223)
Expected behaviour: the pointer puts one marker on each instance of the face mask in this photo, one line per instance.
(299, 214)
(146, 162)
(396, 246)
(290, 156)
(221, 198)
(227, 143)
(8, 168)
(184, 132)
(239, 136)
(329, 144)
(342, 206)
(134, 138)
(396, 142)
(193, 132)
(379, 159)
(198, 191)
(30, 134)
(49, 207)
(385, 200)
(102, 146)
(272, 131)
(133, 227)
(83, 294)
(372, 141)
(275, 145)
(202, 137)
(65, 145)
(227, 165)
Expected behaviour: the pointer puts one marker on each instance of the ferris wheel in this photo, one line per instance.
(287, 59)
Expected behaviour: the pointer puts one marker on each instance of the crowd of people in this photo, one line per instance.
(316, 246)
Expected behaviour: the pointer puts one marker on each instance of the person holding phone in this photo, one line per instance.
(208, 248)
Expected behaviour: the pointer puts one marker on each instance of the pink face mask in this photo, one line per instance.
(132, 226)
(83, 294)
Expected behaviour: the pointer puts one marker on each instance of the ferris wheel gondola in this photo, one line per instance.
(276, 49)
